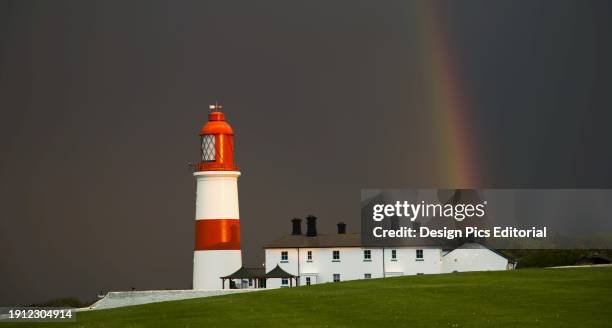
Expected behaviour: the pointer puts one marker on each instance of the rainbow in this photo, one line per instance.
(448, 103)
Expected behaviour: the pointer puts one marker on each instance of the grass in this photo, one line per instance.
(521, 298)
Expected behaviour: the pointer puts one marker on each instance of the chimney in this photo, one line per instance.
(311, 226)
(297, 226)
(341, 228)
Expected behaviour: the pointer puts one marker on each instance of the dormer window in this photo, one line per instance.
(208, 148)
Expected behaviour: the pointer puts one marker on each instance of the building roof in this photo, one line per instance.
(278, 272)
(254, 273)
(318, 241)
(341, 240)
(472, 246)
(246, 273)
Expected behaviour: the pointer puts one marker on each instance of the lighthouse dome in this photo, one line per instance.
(216, 125)
(217, 143)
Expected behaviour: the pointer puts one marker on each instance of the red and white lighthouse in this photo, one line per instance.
(217, 230)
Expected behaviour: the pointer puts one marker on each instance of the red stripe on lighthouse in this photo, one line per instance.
(217, 234)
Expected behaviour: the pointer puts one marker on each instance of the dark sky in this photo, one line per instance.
(102, 102)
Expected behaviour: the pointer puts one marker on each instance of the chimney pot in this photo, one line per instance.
(297, 226)
(311, 226)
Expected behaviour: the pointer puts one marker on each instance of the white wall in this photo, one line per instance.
(321, 269)
(351, 265)
(217, 195)
(408, 264)
(273, 257)
(463, 260)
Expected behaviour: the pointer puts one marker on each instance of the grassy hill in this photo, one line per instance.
(522, 298)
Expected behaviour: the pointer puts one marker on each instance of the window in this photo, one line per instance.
(307, 281)
(208, 148)
(367, 276)
(393, 255)
(309, 256)
(284, 282)
(367, 255)
(284, 256)
(336, 277)
(419, 255)
(335, 256)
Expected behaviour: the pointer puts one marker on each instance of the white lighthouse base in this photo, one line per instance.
(210, 266)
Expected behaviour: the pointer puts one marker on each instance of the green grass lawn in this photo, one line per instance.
(521, 298)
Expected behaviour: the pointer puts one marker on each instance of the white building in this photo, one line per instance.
(320, 258)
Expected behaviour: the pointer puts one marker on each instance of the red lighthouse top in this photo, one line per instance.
(217, 143)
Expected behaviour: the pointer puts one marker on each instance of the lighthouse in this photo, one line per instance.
(217, 229)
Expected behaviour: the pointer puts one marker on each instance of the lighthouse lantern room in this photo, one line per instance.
(217, 230)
